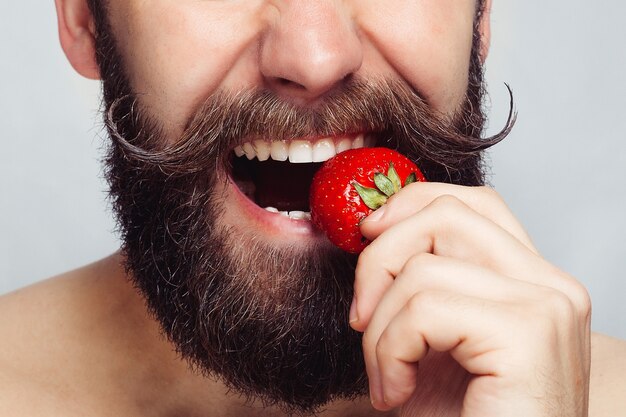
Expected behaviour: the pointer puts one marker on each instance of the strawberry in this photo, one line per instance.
(350, 186)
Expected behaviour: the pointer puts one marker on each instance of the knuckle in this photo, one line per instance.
(553, 310)
(580, 298)
(420, 303)
(556, 312)
(384, 347)
(446, 202)
(372, 258)
(369, 342)
(366, 263)
(447, 207)
(420, 265)
(365, 258)
(577, 295)
(561, 306)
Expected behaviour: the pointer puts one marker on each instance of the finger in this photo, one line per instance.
(413, 198)
(448, 227)
(426, 272)
(442, 321)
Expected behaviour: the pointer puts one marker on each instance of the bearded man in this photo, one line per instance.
(216, 306)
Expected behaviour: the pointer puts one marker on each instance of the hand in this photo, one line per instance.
(451, 270)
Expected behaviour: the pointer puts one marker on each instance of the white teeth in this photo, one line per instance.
(294, 215)
(262, 149)
(299, 215)
(300, 151)
(249, 150)
(343, 145)
(279, 150)
(358, 142)
(323, 149)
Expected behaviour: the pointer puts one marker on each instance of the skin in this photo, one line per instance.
(450, 266)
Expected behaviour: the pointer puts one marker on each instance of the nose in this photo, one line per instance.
(310, 47)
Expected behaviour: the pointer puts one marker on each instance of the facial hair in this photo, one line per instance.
(270, 321)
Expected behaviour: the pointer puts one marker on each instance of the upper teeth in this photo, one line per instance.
(300, 150)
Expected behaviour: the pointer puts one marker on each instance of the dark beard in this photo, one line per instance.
(270, 321)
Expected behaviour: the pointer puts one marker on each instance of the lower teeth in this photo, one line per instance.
(295, 214)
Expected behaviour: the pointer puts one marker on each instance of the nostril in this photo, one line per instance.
(284, 82)
(348, 78)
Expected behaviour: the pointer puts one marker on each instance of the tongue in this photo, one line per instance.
(283, 185)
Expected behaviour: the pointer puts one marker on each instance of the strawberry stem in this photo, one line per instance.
(410, 179)
(387, 185)
(372, 198)
(394, 177)
(384, 184)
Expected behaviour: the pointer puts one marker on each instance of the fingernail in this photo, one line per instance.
(377, 214)
(354, 315)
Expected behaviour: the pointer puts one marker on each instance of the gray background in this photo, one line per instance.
(561, 171)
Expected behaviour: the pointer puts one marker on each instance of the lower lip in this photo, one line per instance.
(273, 223)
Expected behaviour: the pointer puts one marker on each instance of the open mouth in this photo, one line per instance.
(277, 175)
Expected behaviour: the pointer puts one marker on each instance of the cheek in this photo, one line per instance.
(428, 42)
(178, 52)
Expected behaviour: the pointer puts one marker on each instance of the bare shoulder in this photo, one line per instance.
(21, 395)
(49, 341)
(59, 308)
(608, 377)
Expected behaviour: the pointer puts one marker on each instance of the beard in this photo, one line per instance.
(270, 321)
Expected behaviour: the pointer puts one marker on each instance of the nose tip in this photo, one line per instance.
(309, 49)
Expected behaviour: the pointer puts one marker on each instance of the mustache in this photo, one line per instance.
(399, 115)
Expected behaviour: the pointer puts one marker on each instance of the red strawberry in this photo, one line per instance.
(351, 185)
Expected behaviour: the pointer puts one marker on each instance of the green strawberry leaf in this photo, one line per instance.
(384, 184)
(410, 179)
(371, 197)
(395, 179)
